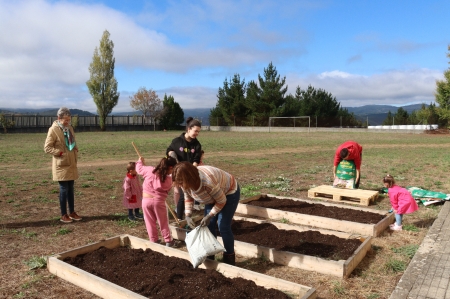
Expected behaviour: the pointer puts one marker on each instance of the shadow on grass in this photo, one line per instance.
(54, 222)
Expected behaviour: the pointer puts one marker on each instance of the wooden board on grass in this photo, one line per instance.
(354, 196)
(372, 230)
(341, 268)
(106, 289)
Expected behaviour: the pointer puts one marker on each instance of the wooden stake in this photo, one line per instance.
(173, 214)
(135, 148)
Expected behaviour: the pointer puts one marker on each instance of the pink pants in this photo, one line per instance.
(155, 210)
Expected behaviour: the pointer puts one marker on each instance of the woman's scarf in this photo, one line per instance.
(68, 137)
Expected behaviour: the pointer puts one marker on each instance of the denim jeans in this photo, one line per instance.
(223, 220)
(398, 219)
(180, 205)
(66, 196)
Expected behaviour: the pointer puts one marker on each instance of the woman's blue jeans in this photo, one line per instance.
(66, 196)
(223, 220)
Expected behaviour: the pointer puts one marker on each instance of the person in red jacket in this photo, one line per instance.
(352, 151)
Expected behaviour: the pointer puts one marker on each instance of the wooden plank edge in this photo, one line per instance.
(300, 228)
(252, 198)
(331, 204)
(308, 220)
(262, 279)
(295, 260)
(383, 224)
(352, 262)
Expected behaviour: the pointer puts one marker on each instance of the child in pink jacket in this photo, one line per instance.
(157, 184)
(132, 193)
(401, 200)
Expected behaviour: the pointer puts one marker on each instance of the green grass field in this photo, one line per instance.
(286, 164)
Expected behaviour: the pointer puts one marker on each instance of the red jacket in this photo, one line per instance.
(354, 150)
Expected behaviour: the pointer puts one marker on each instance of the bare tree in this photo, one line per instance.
(148, 102)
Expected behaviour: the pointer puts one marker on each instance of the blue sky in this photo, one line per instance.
(362, 52)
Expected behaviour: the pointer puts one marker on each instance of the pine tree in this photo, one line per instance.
(442, 94)
(268, 98)
(173, 115)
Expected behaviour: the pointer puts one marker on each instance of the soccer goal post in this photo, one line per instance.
(291, 117)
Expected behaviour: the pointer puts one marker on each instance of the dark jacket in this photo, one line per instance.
(186, 151)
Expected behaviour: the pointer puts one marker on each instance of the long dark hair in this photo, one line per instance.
(163, 167)
(191, 122)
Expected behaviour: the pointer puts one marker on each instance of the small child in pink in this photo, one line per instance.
(132, 193)
(157, 184)
(401, 200)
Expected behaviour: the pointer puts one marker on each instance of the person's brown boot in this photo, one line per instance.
(65, 218)
(74, 216)
(229, 259)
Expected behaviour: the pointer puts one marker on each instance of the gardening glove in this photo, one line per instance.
(206, 220)
(190, 222)
(173, 155)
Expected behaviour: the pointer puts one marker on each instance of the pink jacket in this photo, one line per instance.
(132, 192)
(152, 184)
(401, 200)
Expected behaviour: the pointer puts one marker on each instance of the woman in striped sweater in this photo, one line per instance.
(218, 191)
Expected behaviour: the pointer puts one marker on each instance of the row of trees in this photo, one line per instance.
(240, 100)
(268, 98)
(426, 116)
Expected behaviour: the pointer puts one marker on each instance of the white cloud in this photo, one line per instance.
(390, 88)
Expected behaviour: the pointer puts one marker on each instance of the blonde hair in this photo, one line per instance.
(389, 179)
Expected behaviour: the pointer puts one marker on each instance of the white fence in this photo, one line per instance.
(405, 127)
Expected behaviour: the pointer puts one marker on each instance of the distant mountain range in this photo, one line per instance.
(375, 113)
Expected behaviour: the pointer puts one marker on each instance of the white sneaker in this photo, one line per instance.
(395, 227)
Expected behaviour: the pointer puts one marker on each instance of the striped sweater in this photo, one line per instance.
(215, 185)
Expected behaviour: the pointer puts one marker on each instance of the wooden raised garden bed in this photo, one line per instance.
(352, 227)
(340, 268)
(106, 289)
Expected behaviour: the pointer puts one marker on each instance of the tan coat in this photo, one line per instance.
(63, 168)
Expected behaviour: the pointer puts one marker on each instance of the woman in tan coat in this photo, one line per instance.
(60, 143)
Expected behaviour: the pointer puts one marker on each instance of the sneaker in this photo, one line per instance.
(197, 207)
(139, 216)
(65, 218)
(396, 227)
(74, 216)
(131, 218)
(173, 244)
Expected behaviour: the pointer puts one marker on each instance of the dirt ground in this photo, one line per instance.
(30, 226)
(157, 276)
(311, 243)
(318, 209)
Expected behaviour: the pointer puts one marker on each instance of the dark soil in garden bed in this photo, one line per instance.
(310, 242)
(155, 275)
(301, 207)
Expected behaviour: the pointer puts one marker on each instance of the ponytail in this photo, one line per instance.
(162, 168)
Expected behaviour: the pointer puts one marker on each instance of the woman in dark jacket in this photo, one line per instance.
(187, 148)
